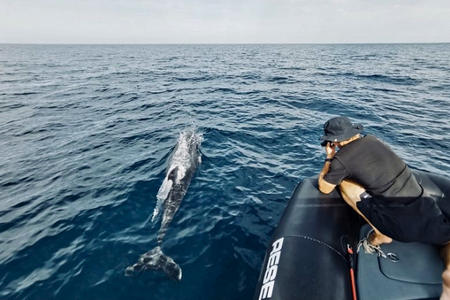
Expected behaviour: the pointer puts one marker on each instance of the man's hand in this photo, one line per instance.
(330, 149)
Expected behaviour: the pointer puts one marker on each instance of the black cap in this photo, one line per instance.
(339, 129)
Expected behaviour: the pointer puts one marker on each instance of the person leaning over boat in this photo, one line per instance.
(381, 188)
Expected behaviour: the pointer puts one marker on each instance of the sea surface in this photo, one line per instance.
(86, 132)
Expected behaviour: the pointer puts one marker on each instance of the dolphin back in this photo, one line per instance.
(183, 162)
(155, 259)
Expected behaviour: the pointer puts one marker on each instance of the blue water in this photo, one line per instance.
(86, 133)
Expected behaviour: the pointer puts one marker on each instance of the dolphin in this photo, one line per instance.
(181, 168)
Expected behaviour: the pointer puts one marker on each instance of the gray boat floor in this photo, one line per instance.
(415, 274)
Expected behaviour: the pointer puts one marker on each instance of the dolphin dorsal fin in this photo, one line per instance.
(173, 174)
(162, 195)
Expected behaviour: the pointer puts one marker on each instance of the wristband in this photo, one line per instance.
(328, 159)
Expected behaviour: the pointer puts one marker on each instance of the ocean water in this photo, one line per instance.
(86, 132)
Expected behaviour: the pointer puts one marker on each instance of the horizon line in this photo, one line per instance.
(249, 43)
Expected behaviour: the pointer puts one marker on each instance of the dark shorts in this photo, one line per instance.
(407, 220)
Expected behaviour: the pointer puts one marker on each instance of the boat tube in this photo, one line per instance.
(308, 256)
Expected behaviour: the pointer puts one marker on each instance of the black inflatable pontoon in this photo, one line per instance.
(308, 258)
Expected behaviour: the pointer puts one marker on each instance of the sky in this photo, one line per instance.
(224, 21)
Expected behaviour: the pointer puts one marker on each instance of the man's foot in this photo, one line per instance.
(371, 244)
(377, 238)
(445, 285)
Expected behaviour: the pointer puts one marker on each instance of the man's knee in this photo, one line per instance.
(347, 183)
(351, 189)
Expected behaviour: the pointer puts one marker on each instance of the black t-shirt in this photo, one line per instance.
(376, 167)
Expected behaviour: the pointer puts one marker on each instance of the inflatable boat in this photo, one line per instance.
(313, 253)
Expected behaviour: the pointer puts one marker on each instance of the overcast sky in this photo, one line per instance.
(226, 21)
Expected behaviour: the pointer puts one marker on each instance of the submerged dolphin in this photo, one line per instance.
(183, 163)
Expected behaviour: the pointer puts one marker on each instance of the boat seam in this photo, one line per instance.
(321, 243)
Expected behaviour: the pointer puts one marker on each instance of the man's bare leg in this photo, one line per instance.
(445, 253)
(351, 192)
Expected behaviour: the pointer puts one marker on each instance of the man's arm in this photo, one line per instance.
(324, 186)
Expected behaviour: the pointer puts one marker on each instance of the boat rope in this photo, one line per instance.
(369, 248)
(352, 271)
